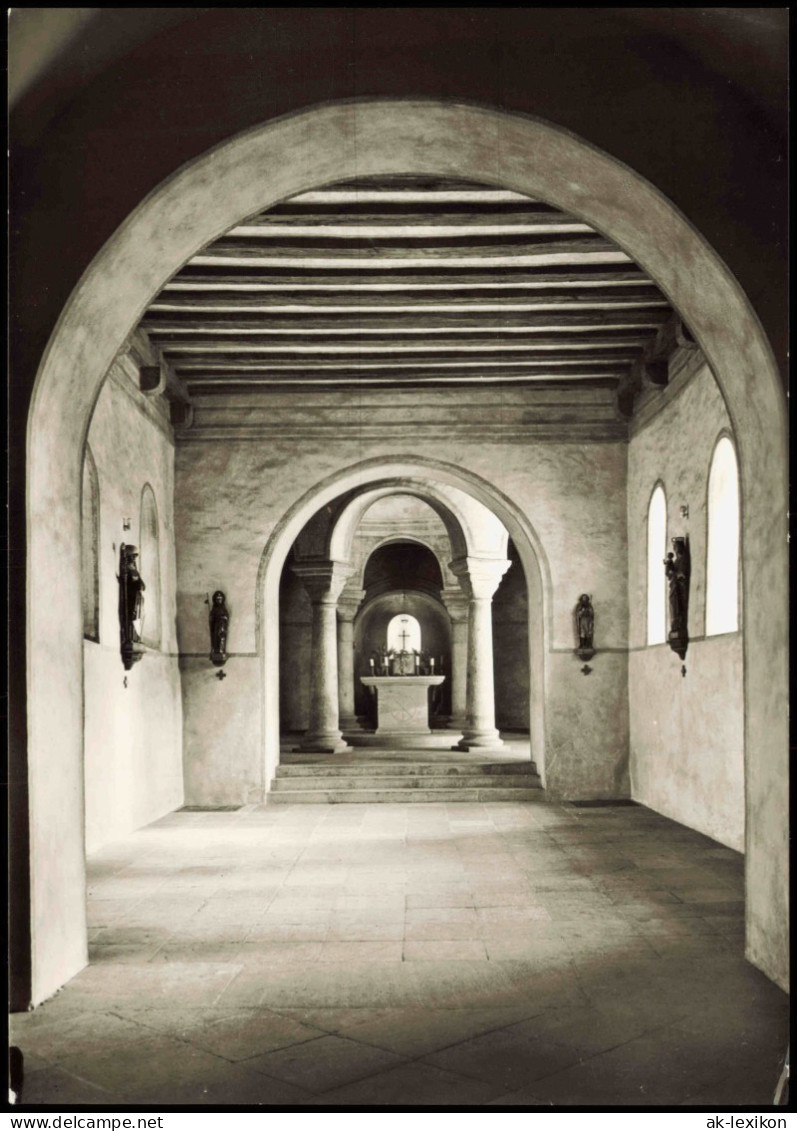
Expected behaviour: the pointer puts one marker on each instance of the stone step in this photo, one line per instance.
(402, 769)
(407, 782)
(399, 796)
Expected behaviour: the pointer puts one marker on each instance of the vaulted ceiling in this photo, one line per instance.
(410, 282)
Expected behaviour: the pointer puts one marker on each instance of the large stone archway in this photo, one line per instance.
(251, 172)
(360, 480)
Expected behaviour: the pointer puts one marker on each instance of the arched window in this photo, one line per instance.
(657, 551)
(89, 546)
(404, 634)
(150, 569)
(722, 550)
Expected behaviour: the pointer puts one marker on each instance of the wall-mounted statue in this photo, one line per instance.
(678, 568)
(131, 605)
(219, 619)
(585, 627)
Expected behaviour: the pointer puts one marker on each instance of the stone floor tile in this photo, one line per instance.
(496, 895)
(282, 953)
(519, 914)
(411, 1085)
(413, 1032)
(373, 985)
(462, 985)
(324, 1063)
(55, 1038)
(505, 1058)
(275, 931)
(444, 951)
(246, 1033)
(220, 1084)
(428, 899)
(56, 1087)
(438, 930)
(441, 915)
(390, 906)
(355, 952)
(649, 934)
(723, 895)
(105, 988)
(127, 1069)
(193, 950)
(124, 954)
(356, 929)
(338, 1020)
(525, 946)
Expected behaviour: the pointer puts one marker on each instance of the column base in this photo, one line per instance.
(330, 743)
(457, 722)
(349, 722)
(480, 740)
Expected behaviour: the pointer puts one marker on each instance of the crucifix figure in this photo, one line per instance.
(403, 638)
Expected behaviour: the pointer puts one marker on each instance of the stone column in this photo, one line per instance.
(479, 578)
(323, 581)
(348, 604)
(457, 606)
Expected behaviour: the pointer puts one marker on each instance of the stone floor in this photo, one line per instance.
(424, 955)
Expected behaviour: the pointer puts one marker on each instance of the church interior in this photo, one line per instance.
(398, 533)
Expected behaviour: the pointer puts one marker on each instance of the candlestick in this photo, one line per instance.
(371, 661)
(432, 663)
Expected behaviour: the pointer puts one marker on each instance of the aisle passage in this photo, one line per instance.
(471, 954)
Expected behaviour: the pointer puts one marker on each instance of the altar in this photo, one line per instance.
(402, 703)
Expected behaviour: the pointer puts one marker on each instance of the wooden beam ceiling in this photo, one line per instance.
(406, 281)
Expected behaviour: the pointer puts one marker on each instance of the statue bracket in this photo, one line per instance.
(131, 655)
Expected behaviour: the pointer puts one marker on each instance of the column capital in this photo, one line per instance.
(456, 603)
(323, 578)
(349, 602)
(480, 577)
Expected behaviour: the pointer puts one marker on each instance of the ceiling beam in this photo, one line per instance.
(619, 360)
(201, 385)
(562, 363)
(405, 225)
(380, 303)
(226, 323)
(431, 346)
(396, 195)
(368, 254)
(458, 278)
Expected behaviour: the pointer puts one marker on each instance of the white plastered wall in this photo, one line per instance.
(133, 721)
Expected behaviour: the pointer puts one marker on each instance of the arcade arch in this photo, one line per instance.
(206, 198)
(478, 521)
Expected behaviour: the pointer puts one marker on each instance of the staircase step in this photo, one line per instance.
(402, 769)
(400, 796)
(426, 781)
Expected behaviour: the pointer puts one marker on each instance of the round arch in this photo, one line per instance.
(393, 539)
(471, 527)
(252, 171)
(359, 480)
